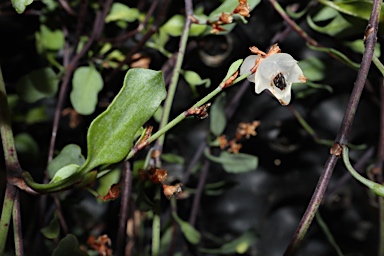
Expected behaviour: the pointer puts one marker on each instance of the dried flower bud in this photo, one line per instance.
(223, 142)
(157, 175)
(336, 150)
(172, 191)
(247, 129)
(226, 18)
(113, 193)
(234, 147)
(243, 8)
(200, 112)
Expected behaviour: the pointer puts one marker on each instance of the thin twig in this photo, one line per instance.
(11, 163)
(342, 136)
(199, 192)
(126, 178)
(17, 230)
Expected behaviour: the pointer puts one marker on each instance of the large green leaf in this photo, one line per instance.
(110, 136)
(234, 163)
(38, 84)
(20, 5)
(217, 115)
(87, 83)
(70, 154)
(69, 246)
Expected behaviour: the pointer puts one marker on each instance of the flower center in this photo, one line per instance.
(279, 81)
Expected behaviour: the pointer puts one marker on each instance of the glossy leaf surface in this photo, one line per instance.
(110, 136)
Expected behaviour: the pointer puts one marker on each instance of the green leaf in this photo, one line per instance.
(197, 29)
(36, 115)
(38, 84)
(172, 158)
(110, 136)
(107, 181)
(50, 39)
(234, 163)
(358, 46)
(232, 69)
(51, 231)
(65, 172)
(313, 68)
(121, 12)
(70, 154)
(218, 120)
(239, 245)
(194, 79)
(51, 4)
(229, 5)
(174, 26)
(303, 90)
(357, 8)
(191, 234)
(25, 144)
(337, 25)
(338, 55)
(87, 83)
(20, 5)
(69, 246)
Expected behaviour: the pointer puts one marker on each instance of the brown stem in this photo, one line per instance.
(342, 136)
(124, 210)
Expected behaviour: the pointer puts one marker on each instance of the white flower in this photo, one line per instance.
(276, 73)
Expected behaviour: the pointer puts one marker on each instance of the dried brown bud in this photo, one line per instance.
(336, 150)
(243, 8)
(247, 129)
(226, 18)
(230, 80)
(200, 112)
(172, 191)
(234, 147)
(216, 28)
(157, 175)
(100, 244)
(223, 142)
(113, 193)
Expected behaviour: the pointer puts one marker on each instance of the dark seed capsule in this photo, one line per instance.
(279, 81)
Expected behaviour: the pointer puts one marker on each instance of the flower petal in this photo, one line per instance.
(247, 65)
